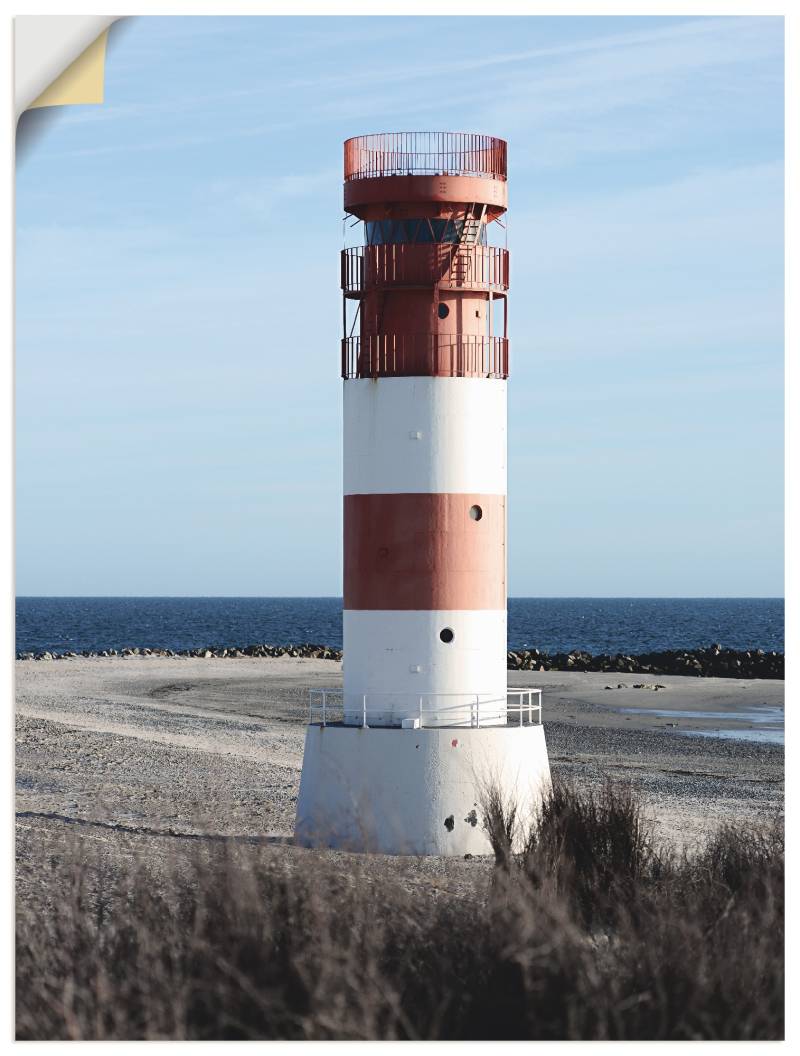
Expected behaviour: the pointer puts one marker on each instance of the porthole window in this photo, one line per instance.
(475, 513)
(444, 311)
(447, 635)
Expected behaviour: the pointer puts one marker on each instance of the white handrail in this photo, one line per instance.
(429, 706)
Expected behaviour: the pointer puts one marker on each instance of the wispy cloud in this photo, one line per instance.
(712, 32)
(512, 92)
(659, 272)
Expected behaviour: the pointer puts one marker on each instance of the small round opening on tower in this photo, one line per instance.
(447, 635)
(475, 513)
(444, 311)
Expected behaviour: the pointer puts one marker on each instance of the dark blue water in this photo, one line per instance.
(599, 625)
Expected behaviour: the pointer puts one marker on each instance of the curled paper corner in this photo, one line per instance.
(59, 60)
(83, 80)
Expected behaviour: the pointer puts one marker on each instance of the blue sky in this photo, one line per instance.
(178, 311)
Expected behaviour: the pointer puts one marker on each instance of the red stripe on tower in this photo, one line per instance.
(424, 551)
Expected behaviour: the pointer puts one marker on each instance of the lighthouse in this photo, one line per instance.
(399, 760)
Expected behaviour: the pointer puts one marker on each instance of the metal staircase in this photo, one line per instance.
(462, 257)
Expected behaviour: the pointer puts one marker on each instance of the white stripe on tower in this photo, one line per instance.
(424, 435)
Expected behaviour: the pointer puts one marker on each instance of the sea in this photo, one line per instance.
(597, 625)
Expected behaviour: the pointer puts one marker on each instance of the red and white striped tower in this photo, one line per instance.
(425, 704)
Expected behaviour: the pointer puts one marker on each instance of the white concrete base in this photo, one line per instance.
(395, 791)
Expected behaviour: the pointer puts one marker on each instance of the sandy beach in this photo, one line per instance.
(147, 749)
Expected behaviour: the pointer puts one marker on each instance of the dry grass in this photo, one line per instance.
(589, 931)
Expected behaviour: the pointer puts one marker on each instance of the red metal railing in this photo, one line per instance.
(406, 264)
(421, 153)
(424, 355)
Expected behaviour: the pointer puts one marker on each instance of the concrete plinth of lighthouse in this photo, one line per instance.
(415, 791)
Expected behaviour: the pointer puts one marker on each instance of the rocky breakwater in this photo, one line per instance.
(715, 661)
(309, 651)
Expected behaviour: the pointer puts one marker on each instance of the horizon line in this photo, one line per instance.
(338, 597)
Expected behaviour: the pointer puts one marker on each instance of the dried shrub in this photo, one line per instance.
(590, 932)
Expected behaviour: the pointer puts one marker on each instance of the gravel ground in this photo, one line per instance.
(150, 754)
